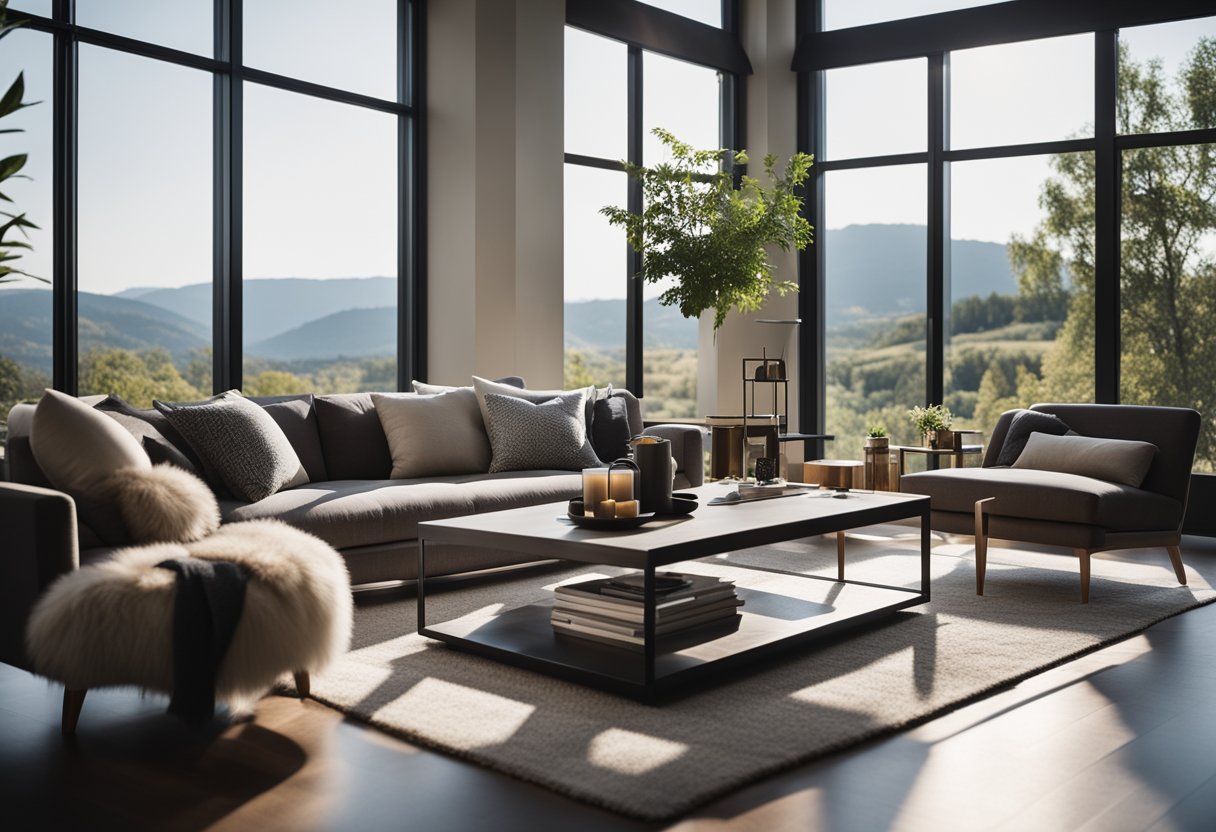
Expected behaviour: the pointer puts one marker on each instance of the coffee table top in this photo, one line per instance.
(544, 530)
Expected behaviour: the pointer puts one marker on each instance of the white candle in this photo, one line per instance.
(595, 489)
(627, 508)
(622, 484)
(606, 510)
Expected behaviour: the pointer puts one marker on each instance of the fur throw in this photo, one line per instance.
(111, 623)
(164, 504)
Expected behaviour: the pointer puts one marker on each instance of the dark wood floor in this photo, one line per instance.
(1124, 738)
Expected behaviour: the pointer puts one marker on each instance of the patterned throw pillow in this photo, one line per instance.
(240, 442)
(551, 435)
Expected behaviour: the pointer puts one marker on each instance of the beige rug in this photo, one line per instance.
(659, 762)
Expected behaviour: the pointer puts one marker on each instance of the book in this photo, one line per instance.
(617, 591)
(635, 615)
(636, 642)
(713, 612)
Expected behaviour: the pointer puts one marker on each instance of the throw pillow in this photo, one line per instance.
(434, 435)
(1121, 461)
(1024, 423)
(159, 439)
(240, 441)
(352, 439)
(79, 448)
(433, 389)
(295, 415)
(527, 436)
(483, 386)
(610, 433)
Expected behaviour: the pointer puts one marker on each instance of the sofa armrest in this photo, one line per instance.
(39, 545)
(996, 439)
(687, 446)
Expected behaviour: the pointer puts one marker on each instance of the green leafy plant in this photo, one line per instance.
(708, 233)
(10, 167)
(933, 417)
(876, 431)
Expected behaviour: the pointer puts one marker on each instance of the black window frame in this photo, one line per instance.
(934, 37)
(229, 77)
(643, 28)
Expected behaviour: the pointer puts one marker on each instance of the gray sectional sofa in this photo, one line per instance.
(350, 502)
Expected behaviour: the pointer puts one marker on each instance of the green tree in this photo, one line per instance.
(1168, 280)
(274, 383)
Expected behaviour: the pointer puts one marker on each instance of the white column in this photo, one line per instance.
(495, 131)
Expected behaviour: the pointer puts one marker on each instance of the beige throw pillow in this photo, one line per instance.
(434, 435)
(79, 448)
(1121, 461)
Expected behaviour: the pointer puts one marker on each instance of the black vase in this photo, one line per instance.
(655, 475)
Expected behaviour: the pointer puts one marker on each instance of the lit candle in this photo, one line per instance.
(606, 509)
(627, 508)
(595, 489)
(622, 484)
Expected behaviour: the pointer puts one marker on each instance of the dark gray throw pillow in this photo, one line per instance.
(610, 432)
(1026, 422)
(551, 435)
(352, 437)
(295, 415)
(240, 441)
(159, 438)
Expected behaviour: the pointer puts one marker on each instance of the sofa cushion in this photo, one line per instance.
(432, 435)
(1025, 423)
(482, 386)
(298, 421)
(1046, 495)
(240, 441)
(526, 436)
(610, 428)
(160, 439)
(351, 513)
(79, 449)
(1121, 461)
(352, 438)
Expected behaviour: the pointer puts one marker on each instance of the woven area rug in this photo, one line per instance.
(657, 762)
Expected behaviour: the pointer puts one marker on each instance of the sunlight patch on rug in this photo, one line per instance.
(457, 715)
(628, 752)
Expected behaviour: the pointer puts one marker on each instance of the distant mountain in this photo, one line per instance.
(105, 321)
(880, 269)
(600, 324)
(352, 333)
(274, 306)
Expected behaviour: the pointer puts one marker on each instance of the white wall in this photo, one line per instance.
(494, 202)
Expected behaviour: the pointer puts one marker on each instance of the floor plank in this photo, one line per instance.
(1118, 739)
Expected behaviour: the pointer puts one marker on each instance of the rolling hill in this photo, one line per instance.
(106, 321)
(351, 333)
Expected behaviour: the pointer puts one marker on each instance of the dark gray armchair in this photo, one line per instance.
(1085, 514)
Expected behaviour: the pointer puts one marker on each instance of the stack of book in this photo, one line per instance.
(611, 610)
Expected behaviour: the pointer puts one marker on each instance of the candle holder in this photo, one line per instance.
(601, 487)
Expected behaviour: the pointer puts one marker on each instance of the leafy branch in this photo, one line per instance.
(10, 168)
(709, 234)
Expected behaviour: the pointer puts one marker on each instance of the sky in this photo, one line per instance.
(318, 202)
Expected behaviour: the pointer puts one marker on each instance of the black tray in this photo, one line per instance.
(575, 512)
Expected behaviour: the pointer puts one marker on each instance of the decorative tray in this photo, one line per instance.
(578, 518)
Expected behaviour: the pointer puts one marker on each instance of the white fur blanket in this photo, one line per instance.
(112, 623)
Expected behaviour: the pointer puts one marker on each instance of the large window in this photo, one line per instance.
(607, 80)
(230, 224)
(1070, 245)
(26, 351)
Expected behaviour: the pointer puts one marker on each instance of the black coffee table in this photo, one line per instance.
(807, 609)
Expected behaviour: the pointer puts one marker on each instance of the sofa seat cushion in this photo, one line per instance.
(1046, 495)
(349, 513)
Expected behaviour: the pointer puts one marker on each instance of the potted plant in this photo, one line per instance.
(705, 228)
(933, 423)
(876, 437)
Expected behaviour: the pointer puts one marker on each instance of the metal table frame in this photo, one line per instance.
(518, 638)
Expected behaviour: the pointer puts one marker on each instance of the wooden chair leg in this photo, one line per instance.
(1083, 555)
(840, 556)
(303, 683)
(1176, 559)
(73, 701)
(981, 543)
